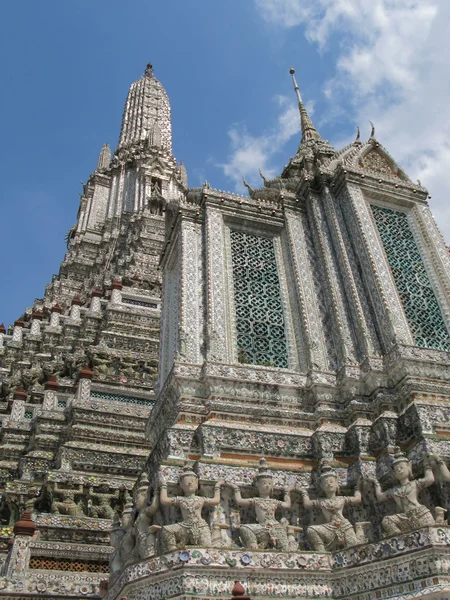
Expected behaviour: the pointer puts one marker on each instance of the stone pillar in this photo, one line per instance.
(19, 553)
(18, 404)
(36, 323)
(18, 331)
(393, 326)
(220, 346)
(83, 391)
(2, 334)
(75, 309)
(50, 397)
(116, 294)
(314, 335)
(191, 313)
(54, 317)
(95, 305)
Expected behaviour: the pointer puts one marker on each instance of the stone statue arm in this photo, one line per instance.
(237, 496)
(438, 462)
(307, 502)
(380, 495)
(444, 470)
(164, 499)
(154, 506)
(428, 478)
(215, 500)
(287, 499)
(356, 498)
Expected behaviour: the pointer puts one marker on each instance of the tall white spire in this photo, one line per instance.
(147, 113)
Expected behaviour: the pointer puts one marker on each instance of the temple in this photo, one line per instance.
(218, 388)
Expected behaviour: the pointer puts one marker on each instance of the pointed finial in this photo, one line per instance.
(309, 132)
(372, 133)
(296, 88)
(358, 134)
(149, 70)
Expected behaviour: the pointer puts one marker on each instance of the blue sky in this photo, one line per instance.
(67, 66)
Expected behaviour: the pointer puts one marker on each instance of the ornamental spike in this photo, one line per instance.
(309, 132)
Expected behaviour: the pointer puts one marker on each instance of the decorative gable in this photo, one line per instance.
(378, 163)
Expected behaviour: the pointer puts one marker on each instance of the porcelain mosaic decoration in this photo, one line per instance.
(220, 388)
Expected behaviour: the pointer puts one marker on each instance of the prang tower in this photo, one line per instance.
(297, 435)
(68, 454)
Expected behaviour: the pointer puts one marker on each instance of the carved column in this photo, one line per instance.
(342, 332)
(75, 309)
(19, 554)
(95, 305)
(50, 397)
(55, 315)
(18, 331)
(349, 274)
(116, 293)
(191, 292)
(36, 323)
(310, 317)
(83, 391)
(380, 285)
(219, 342)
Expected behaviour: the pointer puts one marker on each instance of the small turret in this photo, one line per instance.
(183, 175)
(104, 158)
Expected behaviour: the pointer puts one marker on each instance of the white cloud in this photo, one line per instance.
(391, 66)
(252, 152)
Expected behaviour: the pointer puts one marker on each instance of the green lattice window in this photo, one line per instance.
(261, 337)
(28, 414)
(61, 404)
(121, 398)
(413, 285)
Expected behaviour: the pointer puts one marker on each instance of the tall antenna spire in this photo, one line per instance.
(309, 132)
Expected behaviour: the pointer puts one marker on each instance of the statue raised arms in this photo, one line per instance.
(411, 514)
(193, 529)
(337, 531)
(144, 529)
(267, 532)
